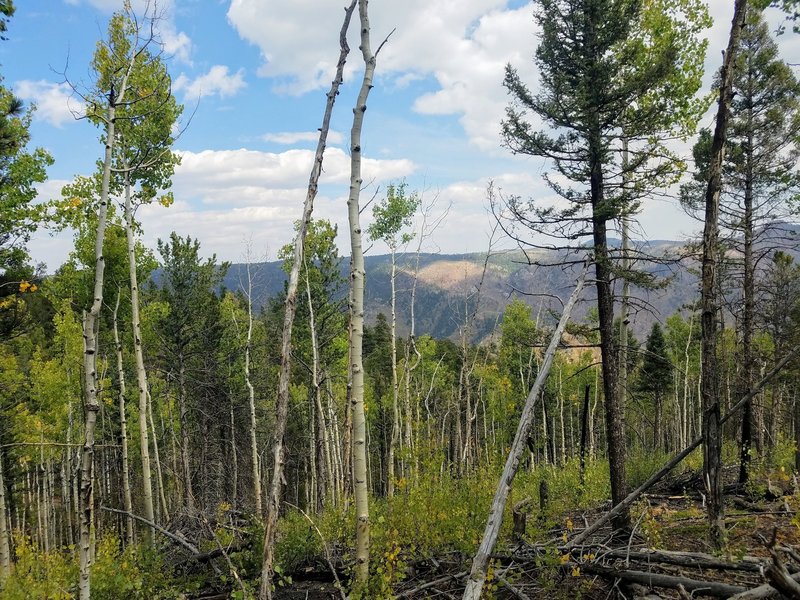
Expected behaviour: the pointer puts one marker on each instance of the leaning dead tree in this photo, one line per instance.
(282, 403)
(477, 575)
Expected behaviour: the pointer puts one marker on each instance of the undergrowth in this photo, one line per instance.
(134, 573)
(436, 515)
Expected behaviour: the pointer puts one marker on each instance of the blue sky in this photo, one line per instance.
(254, 72)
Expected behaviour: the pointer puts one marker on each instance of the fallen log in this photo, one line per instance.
(155, 527)
(432, 584)
(698, 560)
(709, 588)
(762, 592)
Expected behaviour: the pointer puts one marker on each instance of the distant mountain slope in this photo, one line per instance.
(447, 284)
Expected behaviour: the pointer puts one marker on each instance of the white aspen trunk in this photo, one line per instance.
(38, 497)
(156, 457)
(66, 499)
(47, 531)
(141, 373)
(686, 412)
(251, 396)
(76, 500)
(123, 426)
(234, 457)
(311, 462)
(321, 447)
(282, 403)
(395, 435)
(90, 350)
(5, 546)
(477, 574)
(70, 505)
(361, 569)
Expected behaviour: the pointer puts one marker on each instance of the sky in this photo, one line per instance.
(253, 76)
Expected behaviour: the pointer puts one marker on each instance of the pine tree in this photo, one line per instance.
(610, 70)
(655, 377)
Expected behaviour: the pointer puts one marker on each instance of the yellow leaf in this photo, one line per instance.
(576, 572)
(23, 286)
(564, 559)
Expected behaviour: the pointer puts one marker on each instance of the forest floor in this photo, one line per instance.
(665, 555)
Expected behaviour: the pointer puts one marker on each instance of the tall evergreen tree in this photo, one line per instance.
(655, 377)
(190, 326)
(610, 70)
(761, 176)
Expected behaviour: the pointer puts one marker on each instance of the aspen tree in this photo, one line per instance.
(357, 304)
(282, 403)
(111, 89)
(123, 424)
(391, 216)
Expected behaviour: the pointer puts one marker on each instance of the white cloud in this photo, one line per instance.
(52, 100)
(464, 45)
(216, 82)
(243, 176)
(176, 43)
(293, 137)
(224, 197)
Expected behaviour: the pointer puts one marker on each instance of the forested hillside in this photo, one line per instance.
(444, 283)
(586, 415)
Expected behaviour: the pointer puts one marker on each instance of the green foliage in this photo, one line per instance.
(655, 375)
(7, 10)
(136, 573)
(393, 214)
(20, 170)
(36, 574)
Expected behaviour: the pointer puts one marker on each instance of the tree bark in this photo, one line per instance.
(706, 588)
(477, 574)
(584, 434)
(321, 446)
(159, 475)
(141, 373)
(5, 548)
(123, 426)
(183, 409)
(282, 402)
(748, 289)
(90, 346)
(395, 436)
(361, 568)
(251, 396)
(709, 390)
(614, 409)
